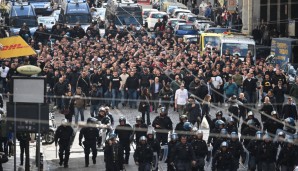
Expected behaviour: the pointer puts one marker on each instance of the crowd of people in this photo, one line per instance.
(130, 69)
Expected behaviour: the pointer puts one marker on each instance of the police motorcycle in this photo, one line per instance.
(49, 137)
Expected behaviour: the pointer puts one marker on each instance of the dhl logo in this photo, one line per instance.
(13, 46)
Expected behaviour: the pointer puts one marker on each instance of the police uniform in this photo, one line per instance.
(140, 130)
(143, 155)
(64, 134)
(124, 133)
(222, 161)
(182, 155)
(91, 137)
(201, 150)
(254, 162)
(236, 149)
(113, 157)
(165, 123)
(268, 152)
(171, 145)
(287, 157)
(155, 145)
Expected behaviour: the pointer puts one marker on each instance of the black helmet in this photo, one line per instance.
(92, 120)
(163, 111)
(139, 118)
(219, 112)
(122, 118)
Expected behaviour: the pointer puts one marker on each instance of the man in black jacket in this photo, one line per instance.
(60, 89)
(143, 155)
(132, 86)
(113, 154)
(162, 124)
(289, 110)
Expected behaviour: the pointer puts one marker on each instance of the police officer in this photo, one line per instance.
(124, 132)
(64, 134)
(250, 116)
(254, 162)
(105, 122)
(272, 124)
(268, 152)
(248, 132)
(171, 144)
(140, 129)
(222, 159)
(219, 116)
(24, 138)
(155, 145)
(287, 156)
(236, 149)
(231, 126)
(289, 126)
(200, 149)
(143, 155)
(91, 137)
(179, 127)
(182, 155)
(113, 154)
(219, 124)
(162, 125)
(221, 137)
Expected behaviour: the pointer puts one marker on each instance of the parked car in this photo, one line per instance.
(55, 14)
(177, 11)
(191, 38)
(202, 25)
(146, 13)
(182, 29)
(49, 22)
(174, 21)
(153, 18)
(220, 30)
(190, 17)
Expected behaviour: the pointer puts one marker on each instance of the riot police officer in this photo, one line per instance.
(171, 144)
(254, 162)
(219, 116)
(64, 134)
(231, 125)
(287, 156)
(289, 126)
(268, 152)
(143, 155)
(91, 137)
(162, 125)
(219, 124)
(272, 124)
(250, 116)
(222, 137)
(248, 131)
(124, 132)
(140, 129)
(222, 159)
(236, 149)
(155, 145)
(200, 149)
(113, 154)
(105, 122)
(182, 155)
(179, 126)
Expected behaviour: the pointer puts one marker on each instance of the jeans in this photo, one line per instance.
(115, 97)
(59, 101)
(79, 110)
(107, 97)
(146, 112)
(123, 96)
(93, 110)
(132, 96)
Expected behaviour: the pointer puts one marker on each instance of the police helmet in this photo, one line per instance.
(199, 133)
(107, 108)
(281, 134)
(218, 113)
(91, 120)
(250, 113)
(139, 118)
(112, 135)
(218, 123)
(187, 126)
(234, 135)
(259, 135)
(150, 132)
(142, 138)
(102, 109)
(163, 110)
(183, 117)
(122, 118)
(290, 121)
(194, 129)
(64, 122)
(273, 112)
(224, 144)
(231, 120)
(251, 122)
(174, 136)
(223, 131)
(267, 137)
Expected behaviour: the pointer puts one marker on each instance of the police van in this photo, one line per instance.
(123, 13)
(22, 14)
(42, 7)
(75, 12)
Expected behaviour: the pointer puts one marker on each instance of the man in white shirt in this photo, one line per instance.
(217, 82)
(123, 77)
(181, 97)
(4, 71)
